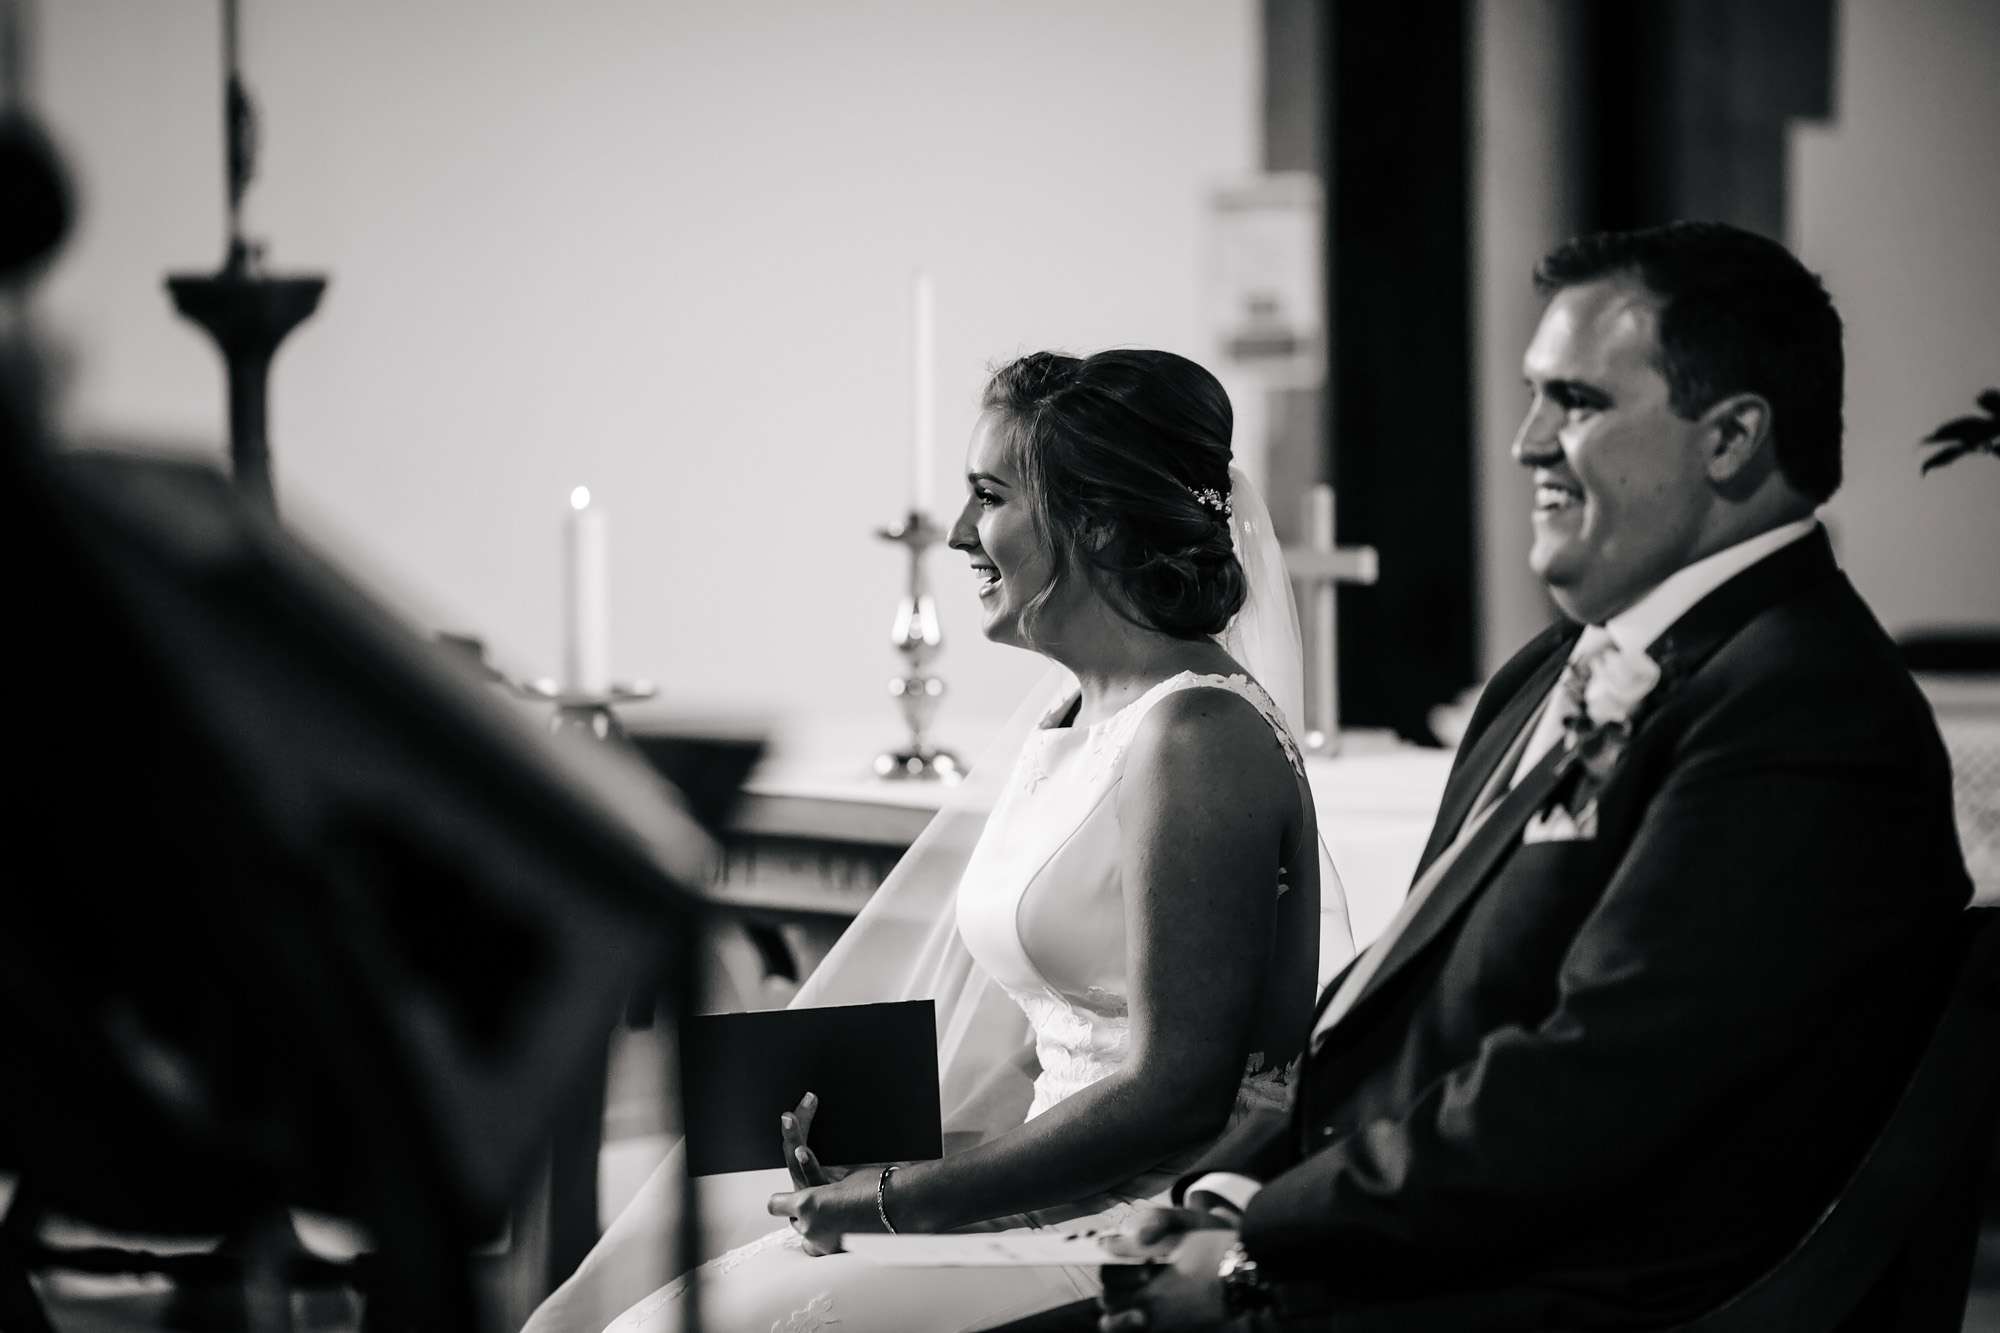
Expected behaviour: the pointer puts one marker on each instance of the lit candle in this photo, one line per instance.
(923, 451)
(586, 609)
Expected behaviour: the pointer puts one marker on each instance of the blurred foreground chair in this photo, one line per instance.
(295, 917)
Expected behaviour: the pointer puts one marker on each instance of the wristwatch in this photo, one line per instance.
(1243, 1286)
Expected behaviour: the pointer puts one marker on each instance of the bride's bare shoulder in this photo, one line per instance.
(1211, 747)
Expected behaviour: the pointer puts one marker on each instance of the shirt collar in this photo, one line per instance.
(1646, 619)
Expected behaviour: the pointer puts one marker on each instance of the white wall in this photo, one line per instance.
(661, 249)
(1897, 203)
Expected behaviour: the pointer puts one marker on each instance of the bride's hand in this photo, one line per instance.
(828, 1202)
(793, 1127)
(817, 1208)
(824, 1213)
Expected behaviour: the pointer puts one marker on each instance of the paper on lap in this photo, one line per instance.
(1000, 1249)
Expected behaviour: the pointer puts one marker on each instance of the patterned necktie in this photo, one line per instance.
(1565, 707)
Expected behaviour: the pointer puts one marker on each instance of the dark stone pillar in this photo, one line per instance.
(1399, 413)
(1690, 102)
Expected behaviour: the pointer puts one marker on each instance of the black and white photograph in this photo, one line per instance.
(1001, 666)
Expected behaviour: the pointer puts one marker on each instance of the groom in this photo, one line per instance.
(1678, 933)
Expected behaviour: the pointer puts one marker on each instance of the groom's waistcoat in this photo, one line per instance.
(1616, 1072)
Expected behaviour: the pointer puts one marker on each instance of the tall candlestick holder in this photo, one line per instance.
(917, 636)
(247, 312)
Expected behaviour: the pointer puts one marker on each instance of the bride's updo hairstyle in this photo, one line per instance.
(1124, 461)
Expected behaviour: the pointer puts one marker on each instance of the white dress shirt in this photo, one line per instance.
(1647, 619)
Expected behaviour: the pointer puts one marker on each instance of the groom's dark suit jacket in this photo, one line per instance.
(1602, 1083)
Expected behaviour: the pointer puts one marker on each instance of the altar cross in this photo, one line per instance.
(1317, 567)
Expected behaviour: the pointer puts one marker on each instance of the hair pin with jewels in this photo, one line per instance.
(1211, 499)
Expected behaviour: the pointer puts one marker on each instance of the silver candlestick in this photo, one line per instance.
(917, 636)
(575, 712)
(584, 712)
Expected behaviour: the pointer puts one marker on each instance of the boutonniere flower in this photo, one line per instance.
(1618, 682)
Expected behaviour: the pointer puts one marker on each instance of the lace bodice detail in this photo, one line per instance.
(1041, 904)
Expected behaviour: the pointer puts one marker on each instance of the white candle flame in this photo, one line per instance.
(579, 499)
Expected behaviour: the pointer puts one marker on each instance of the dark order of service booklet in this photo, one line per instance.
(872, 1066)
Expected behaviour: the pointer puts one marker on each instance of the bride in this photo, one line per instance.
(1119, 919)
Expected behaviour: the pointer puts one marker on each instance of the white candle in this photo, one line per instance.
(587, 603)
(923, 450)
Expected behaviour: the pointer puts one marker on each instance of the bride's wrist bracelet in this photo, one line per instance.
(882, 1198)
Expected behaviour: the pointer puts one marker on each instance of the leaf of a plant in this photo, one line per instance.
(1970, 429)
(1946, 455)
(1990, 400)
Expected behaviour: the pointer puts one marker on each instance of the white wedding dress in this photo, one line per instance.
(1040, 909)
(1007, 914)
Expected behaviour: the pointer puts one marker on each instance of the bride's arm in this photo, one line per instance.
(1205, 806)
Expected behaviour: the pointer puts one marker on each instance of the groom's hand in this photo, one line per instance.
(1181, 1292)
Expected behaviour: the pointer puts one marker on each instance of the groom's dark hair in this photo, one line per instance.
(1124, 458)
(1738, 313)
